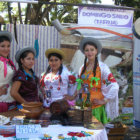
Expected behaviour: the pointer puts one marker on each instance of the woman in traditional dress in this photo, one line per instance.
(7, 70)
(101, 83)
(25, 82)
(57, 81)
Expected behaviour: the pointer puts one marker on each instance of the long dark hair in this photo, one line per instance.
(22, 56)
(60, 68)
(2, 39)
(85, 61)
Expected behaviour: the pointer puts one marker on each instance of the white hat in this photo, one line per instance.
(21, 51)
(93, 40)
(6, 34)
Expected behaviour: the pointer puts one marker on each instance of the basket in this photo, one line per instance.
(79, 116)
(117, 133)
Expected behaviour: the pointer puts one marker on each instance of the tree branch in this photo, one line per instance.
(19, 9)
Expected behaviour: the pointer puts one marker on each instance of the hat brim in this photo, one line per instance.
(7, 34)
(93, 40)
(53, 50)
(21, 51)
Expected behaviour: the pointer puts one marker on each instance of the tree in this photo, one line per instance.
(130, 3)
(41, 13)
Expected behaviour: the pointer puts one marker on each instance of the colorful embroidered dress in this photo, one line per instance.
(102, 86)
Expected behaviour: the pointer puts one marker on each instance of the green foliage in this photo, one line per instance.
(124, 118)
(65, 13)
(130, 3)
(3, 6)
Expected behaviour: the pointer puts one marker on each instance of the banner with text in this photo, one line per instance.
(105, 17)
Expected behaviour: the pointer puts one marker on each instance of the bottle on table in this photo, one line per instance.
(87, 103)
(79, 101)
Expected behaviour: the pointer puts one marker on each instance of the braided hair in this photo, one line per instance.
(85, 61)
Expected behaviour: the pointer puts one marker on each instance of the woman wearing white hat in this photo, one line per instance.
(25, 83)
(7, 70)
(101, 84)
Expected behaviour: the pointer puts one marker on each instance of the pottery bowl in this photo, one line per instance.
(32, 109)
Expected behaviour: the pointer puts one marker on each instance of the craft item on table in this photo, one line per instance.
(85, 133)
(47, 136)
(60, 136)
(80, 134)
(94, 125)
(77, 134)
(79, 116)
(4, 120)
(118, 131)
(59, 110)
(17, 120)
(43, 123)
(7, 129)
(29, 131)
(32, 109)
(59, 106)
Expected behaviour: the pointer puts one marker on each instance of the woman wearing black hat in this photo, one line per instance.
(101, 84)
(7, 70)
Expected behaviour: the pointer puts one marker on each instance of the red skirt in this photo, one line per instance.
(4, 107)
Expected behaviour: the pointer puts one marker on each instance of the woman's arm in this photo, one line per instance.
(70, 97)
(14, 92)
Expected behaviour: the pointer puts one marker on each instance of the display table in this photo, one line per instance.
(57, 131)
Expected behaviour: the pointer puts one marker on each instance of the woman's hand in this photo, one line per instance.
(68, 97)
(98, 102)
(3, 90)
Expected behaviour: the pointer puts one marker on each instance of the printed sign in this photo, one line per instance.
(28, 131)
(100, 17)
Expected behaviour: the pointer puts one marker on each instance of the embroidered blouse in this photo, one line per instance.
(57, 88)
(29, 86)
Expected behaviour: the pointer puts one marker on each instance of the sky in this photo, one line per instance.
(107, 2)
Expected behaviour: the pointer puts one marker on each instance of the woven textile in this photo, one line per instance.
(47, 37)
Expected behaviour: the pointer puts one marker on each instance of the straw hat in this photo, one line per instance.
(53, 50)
(6, 34)
(90, 39)
(21, 51)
